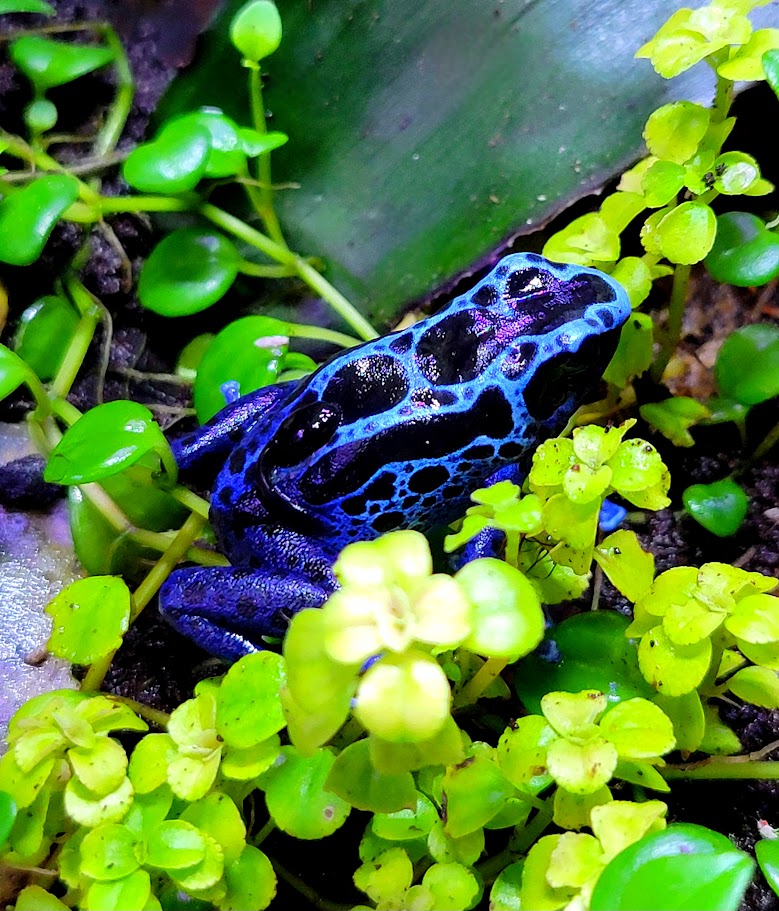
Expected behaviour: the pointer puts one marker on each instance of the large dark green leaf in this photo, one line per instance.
(424, 134)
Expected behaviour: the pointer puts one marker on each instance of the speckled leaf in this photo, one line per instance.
(424, 134)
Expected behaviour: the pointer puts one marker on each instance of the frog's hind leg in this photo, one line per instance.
(227, 610)
(203, 451)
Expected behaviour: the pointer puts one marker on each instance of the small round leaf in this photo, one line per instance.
(720, 507)
(248, 703)
(48, 63)
(89, 618)
(44, 333)
(28, 216)
(173, 162)
(747, 367)
(189, 270)
(256, 30)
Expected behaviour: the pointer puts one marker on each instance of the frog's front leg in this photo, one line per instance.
(227, 609)
(203, 451)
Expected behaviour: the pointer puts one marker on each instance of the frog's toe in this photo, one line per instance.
(489, 542)
(227, 610)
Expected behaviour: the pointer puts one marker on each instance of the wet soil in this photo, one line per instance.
(158, 666)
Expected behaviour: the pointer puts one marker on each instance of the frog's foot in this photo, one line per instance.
(489, 542)
(227, 610)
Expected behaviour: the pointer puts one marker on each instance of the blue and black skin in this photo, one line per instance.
(395, 433)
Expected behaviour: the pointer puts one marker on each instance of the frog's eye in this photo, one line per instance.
(569, 372)
(303, 432)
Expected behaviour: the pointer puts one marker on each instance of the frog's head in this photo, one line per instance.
(557, 327)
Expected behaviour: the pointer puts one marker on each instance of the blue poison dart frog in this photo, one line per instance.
(394, 433)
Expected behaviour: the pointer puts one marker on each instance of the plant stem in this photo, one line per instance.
(108, 205)
(673, 333)
(260, 270)
(298, 330)
(527, 836)
(769, 441)
(155, 716)
(111, 131)
(184, 539)
(281, 254)
(487, 673)
(722, 769)
(263, 198)
(191, 500)
(259, 838)
(82, 338)
(310, 894)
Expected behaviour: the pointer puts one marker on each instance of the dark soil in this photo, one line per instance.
(158, 666)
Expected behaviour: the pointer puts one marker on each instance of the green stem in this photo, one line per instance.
(265, 831)
(487, 673)
(90, 312)
(264, 196)
(260, 270)
(532, 832)
(18, 148)
(281, 254)
(309, 893)
(191, 500)
(161, 541)
(766, 770)
(109, 205)
(298, 330)
(769, 441)
(155, 716)
(185, 537)
(673, 333)
(111, 131)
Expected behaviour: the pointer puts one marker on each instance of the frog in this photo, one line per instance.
(392, 433)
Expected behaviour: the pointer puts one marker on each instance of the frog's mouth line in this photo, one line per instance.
(569, 373)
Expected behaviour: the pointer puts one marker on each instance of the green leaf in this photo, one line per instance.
(536, 892)
(686, 234)
(189, 270)
(629, 567)
(745, 253)
(28, 216)
(575, 524)
(106, 440)
(87, 809)
(131, 891)
(7, 816)
(674, 131)
(204, 874)
(109, 852)
(475, 176)
(175, 845)
(251, 882)
(452, 886)
(386, 877)
(639, 730)
(635, 276)
(757, 686)
(35, 898)
(505, 892)
(672, 669)
(44, 333)
(755, 619)
(100, 767)
(27, 6)
(404, 697)
(720, 507)
(521, 753)
(48, 63)
(587, 241)
(406, 824)
(770, 62)
(89, 617)
(747, 367)
(13, 371)
(298, 802)
(633, 356)
(619, 823)
(582, 768)
(688, 718)
(354, 778)
(174, 162)
(674, 416)
(248, 704)
(767, 853)
(474, 791)
(594, 654)
(249, 352)
(256, 30)
(684, 868)
(40, 115)
(736, 173)
(746, 61)
(662, 181)
(506, 616)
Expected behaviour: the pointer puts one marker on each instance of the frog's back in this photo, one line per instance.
(399, 431)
